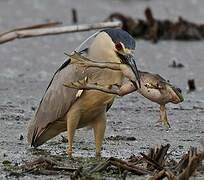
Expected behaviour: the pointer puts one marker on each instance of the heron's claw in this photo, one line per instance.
(166, 124)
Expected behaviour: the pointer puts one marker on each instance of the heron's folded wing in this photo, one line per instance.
(55, 102)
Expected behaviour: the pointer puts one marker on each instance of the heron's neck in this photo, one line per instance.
(102, 49)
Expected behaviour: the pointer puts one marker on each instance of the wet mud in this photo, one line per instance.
(26, 67)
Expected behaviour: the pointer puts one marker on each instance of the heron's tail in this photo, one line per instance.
(37, 136)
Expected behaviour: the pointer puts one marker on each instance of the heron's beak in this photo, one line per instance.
(130, 61)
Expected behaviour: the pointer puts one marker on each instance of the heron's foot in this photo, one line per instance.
(166, 125)
(69, 153)
(98, 155)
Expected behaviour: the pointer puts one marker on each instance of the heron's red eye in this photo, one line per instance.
(119, 46)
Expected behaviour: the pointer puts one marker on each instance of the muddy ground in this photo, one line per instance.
(26, 67)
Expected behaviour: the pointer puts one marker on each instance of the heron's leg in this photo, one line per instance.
(99, 127)
(73, 117)
(163, 116)
(111, 89)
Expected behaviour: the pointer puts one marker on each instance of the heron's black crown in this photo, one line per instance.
(119, 35)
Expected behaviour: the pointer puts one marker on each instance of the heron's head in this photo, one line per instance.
(115, 45)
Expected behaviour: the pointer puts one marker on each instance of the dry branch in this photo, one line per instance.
(155, 164)
(129, 166)
(48, 29)
(154, 29)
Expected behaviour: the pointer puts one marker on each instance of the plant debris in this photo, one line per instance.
(154, 30)
(119, 138)
(156, 164)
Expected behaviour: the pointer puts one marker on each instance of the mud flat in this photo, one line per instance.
(26, 66)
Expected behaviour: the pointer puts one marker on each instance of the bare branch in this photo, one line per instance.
(48, 29)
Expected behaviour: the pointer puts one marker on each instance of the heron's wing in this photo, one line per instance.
(109, 105)
(55, 102)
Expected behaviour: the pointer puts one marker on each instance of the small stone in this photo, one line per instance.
(17, 118)
(191, 85)
(21, 137)
(64, 139)
(4, 155)
(33, 108)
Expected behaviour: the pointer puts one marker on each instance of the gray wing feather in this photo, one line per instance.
(56, 101)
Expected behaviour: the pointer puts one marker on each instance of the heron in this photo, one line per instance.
(67, 109)
(152, 86)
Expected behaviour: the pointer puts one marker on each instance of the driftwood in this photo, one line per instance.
(45, 166)
(148, 28)
(128, 166)
(50, 29)
(156, 164)
(153, 29)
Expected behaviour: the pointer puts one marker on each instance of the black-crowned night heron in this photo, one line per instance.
(152, 86)
(63, 108)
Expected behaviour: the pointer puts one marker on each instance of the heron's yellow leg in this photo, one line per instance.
(99, 127)
(163, 116)
(73, 117)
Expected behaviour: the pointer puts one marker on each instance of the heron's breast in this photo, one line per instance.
(93, 99)
(91, 104)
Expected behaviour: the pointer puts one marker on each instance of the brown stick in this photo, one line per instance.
(33, 32)
(151, 161)
(159, 175)
(128, 166)
(100, 167)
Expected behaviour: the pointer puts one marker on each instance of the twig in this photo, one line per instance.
(100, 167)
(151, 161)
(159, 175)
(33, 32)
(128, 166)
(36, 26)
